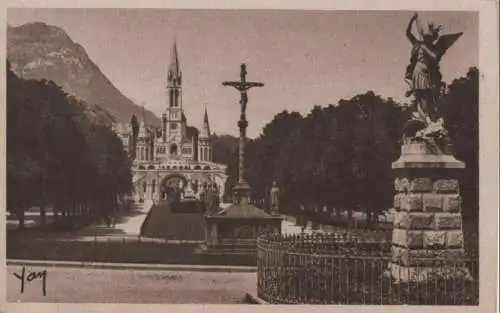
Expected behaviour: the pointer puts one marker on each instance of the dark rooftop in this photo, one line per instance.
(244, 211)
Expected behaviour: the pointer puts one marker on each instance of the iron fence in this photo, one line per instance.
(344, 269)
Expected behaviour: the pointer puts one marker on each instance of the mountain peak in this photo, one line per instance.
(41, 51)
(39, 31)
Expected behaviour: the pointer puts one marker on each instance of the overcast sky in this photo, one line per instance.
(305, 58)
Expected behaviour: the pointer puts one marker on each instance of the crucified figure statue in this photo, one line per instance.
(244, 101)
(243, 86)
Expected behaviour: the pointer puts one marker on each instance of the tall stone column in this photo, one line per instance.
(428, 220)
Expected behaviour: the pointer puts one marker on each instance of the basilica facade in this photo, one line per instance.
(174, 157)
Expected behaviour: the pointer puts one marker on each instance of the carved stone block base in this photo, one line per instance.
(427, 238)
(423, 274)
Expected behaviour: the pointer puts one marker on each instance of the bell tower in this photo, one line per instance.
(173, 117)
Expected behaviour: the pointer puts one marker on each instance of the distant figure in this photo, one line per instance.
(107, 217)
(114, 213)
(274, 195)
(215, 191)
(211, 199)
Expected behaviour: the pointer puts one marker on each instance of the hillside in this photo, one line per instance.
(41, 51)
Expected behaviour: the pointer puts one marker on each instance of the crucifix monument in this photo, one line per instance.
(235, 228)
(241, 191)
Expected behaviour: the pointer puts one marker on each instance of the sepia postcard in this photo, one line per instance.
(207, 157)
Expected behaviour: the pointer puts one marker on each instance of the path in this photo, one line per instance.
(132, 225)
(127, 224)
(288, 226)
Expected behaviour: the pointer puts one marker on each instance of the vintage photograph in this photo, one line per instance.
(203, 156)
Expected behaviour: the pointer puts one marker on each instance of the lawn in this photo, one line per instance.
(163, 222)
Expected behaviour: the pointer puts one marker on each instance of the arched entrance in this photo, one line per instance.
(172, 186)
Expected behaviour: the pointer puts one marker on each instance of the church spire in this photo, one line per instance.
(205, 118)
(174, 81)
(174, 70)
(205, 130)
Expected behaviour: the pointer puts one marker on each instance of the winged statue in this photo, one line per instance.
(424, 78)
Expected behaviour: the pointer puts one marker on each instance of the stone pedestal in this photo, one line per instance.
(188, 191)
(241, 192)
(428, 222)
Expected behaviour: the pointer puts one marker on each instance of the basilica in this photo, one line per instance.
(174, 157)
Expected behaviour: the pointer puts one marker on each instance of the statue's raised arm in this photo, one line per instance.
(409, 33)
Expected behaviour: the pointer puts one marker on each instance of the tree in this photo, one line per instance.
(56, 156)
(225, 150)
(338, 156)
(459, 107)
(135, 131)
(374, 149)
(262, 152)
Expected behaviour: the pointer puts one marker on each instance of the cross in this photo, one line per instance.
(243, 86)
(242, 189)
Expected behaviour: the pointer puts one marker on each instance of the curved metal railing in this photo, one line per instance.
(347, 268)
